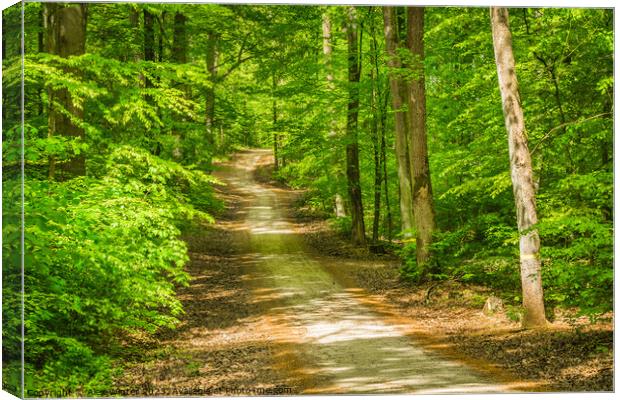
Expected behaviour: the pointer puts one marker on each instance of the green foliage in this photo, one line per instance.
(103, 258)
(341, 225)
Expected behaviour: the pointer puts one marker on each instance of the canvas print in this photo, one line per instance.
(260, 200)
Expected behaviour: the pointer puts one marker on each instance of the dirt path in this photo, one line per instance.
(264, 315)
(335, 341)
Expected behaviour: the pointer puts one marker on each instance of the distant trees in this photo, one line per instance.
(521, 171)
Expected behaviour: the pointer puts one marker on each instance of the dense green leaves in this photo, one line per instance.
(103, 258)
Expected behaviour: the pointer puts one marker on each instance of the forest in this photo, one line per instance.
(473, 145)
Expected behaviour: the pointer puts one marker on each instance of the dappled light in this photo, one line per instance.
(349, 348)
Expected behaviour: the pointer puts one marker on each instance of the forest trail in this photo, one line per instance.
(326, 338)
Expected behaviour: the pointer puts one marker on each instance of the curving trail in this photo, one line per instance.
(327, 337)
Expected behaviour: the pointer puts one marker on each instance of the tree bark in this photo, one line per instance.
(400, 116)
(521, 171)
(212, 60)
(179, 56)
(149, 42)
(339, 209)
(65, 28)
(179, 39)
(136, 41)
(423, 211)
(388, 211)
(327, 50)
(162, 32)
(374, 109)
(275, 122)
(358, 232)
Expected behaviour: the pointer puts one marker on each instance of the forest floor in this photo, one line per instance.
(573, 354)
(280, 304)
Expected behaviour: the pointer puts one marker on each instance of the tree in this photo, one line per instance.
(375, 109)
(274, 107)
(149, 40)
(397, 85)
(179, 39)
(358, 231)
(326, 27)
(521, 171)
(65, 27)
(423, 211)
(212, 69)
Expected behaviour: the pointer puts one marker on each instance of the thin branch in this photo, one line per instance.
(563, 126)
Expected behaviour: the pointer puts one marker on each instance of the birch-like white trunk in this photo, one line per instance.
(521, 171)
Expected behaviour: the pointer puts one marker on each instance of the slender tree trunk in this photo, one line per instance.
(136, 41)
(41, 49)
(400, 116)
(275, 122)
(212, 60)
(339, 209)
(423, 211)
(521, 171)
(162, 34)
(374, 109)
(179, 39)
(149, 42)
(388, 211)
(65, 28)
(327, 50)
(41, 34)
(150, 55)
(179, 56)
(382, 127)
(358, 232)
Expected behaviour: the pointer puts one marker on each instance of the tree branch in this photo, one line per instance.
(563, 126)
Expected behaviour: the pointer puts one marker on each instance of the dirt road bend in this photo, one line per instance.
(327, 340)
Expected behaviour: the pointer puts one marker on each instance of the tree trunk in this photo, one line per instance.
(179, 39)
(400, 116)
(358, 232)
(65, 36)
(134, 22)
(423, 212)
(339, 209)
(162, 32)
(521, 171)
(388, 211)
(275, 122)
(327, 50)
(149, 42)
(374, 77)
(41, 49)
(179, 56)
(212, 60)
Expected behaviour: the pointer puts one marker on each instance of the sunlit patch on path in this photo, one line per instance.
(344, 346)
